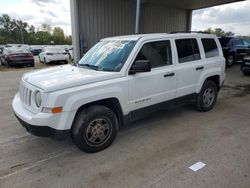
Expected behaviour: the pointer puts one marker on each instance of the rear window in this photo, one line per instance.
(188, 50)
(54, 50)
(210, 48)
(13, 51)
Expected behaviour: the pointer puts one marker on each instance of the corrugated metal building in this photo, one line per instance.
(95, 19)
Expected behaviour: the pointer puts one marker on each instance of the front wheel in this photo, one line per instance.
(94, 128)
(207, 97)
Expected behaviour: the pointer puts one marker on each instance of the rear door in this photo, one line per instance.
(189, 66)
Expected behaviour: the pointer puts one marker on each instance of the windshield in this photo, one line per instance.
(107, 55)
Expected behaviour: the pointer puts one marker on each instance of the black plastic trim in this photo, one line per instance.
(143, 112)
(45, 131)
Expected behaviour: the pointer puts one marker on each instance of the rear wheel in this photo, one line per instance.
(207, 96)
(94, 128)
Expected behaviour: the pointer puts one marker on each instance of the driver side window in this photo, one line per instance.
(159, 53)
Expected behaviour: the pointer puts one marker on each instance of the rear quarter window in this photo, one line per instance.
(210, 47)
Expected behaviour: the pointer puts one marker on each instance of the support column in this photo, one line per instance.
(137, 19)
(189, 20)
(75, 30)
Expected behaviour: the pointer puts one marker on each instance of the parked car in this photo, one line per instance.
(245, 65)
(17, 57)
(35, 50)
(52, 54)
(234, 49)
(118, 81)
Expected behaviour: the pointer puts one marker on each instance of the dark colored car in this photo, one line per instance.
(35, 51)
(17, 56)
(234, 49)
(245, 65)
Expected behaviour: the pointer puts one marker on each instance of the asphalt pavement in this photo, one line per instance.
(152, 152)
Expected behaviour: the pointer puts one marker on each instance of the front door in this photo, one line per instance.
(159, 85)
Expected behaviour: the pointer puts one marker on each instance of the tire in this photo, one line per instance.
(7, 63)
(246, 73)
(40, 59)
(230, 60)
(207, 97)
(90, 122)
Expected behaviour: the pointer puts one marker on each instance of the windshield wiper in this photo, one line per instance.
(90, 66)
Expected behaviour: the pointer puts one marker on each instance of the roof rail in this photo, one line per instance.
(175, 32)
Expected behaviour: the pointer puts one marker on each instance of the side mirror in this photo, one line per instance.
(140, 66)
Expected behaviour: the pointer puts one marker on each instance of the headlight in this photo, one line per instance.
(38, 99)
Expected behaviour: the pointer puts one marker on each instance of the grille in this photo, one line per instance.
(25, 95)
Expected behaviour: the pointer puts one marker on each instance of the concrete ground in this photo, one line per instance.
(153, 152)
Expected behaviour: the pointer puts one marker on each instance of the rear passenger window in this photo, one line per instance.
(188, 50)
(210, 48)
(159, 53)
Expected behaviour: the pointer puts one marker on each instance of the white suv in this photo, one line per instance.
(119, 80)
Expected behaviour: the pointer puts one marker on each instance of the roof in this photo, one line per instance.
(157, 35)
(190, 4)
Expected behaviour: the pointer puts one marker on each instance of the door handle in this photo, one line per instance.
(169, 74)
(199, 68)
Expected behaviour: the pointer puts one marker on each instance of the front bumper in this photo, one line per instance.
(44, 131)
(56, 126)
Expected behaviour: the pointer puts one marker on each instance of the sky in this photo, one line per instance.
(37, 12)
(233, 17)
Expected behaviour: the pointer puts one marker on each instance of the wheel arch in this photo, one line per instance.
(111, 103)
(214, 78)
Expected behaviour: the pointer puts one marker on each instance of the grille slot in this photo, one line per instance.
(25, 95)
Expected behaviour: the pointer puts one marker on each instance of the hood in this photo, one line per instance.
(66, 76)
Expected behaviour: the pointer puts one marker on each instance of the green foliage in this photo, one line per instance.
(17, 31)
(219, 32)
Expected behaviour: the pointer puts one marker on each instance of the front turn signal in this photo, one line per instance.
(56, 110)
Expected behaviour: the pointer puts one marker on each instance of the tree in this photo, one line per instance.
(219, 32)
(17, 31)
(58, 36)
(47, 28)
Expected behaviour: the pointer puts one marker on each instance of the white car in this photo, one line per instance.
(53, 54)
(117, 81)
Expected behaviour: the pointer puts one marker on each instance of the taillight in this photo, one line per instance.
(49, 54)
